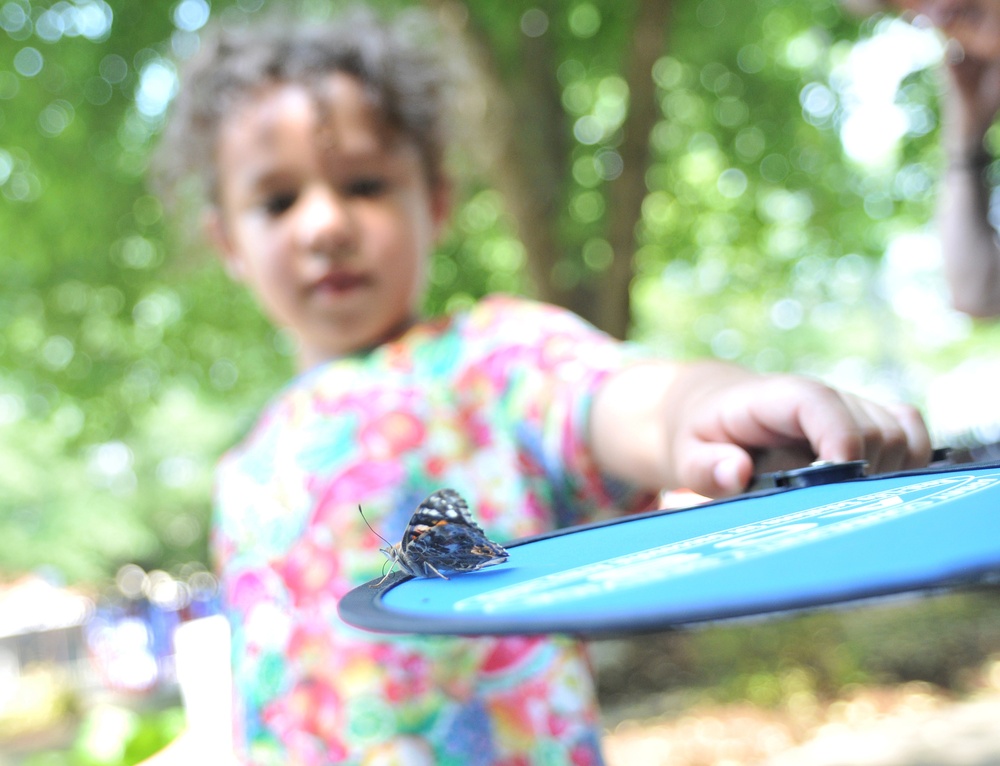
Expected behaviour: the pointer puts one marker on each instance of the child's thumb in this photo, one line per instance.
(716, 470)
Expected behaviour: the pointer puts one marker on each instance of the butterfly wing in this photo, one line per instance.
(443, 537)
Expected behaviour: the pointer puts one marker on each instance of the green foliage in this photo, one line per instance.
(128, 362)
(114, 736)
(127, 367)
(755, 209)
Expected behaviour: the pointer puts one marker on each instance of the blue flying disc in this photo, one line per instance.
(768, 552)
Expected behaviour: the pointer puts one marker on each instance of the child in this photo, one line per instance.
(322, 151)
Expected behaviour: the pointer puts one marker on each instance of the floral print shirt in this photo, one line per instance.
(493, 402)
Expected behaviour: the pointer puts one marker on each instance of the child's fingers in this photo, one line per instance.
(845, 427)
(912, 448)
(811, 414)
(881, 438)
(786, 422)
(893, 437)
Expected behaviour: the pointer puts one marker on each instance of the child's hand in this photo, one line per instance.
(710, 426)
(769, 423)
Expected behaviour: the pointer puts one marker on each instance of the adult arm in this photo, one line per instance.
(970, 247)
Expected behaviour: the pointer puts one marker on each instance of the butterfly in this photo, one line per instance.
(443, 537)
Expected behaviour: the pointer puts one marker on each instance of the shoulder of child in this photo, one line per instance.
(506, 310)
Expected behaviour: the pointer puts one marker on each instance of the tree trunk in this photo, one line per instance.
(530, 161)
(627, 192)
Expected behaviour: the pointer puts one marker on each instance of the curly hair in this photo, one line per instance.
(405, 78)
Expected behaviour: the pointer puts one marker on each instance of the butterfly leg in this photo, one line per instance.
(435, 571)
(384, 578)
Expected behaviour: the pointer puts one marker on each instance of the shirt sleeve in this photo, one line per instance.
(546, 364)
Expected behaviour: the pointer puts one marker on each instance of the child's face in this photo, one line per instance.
(325, 217)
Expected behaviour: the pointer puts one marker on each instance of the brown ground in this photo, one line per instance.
(909, 725)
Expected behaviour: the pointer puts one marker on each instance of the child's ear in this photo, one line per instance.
(214, 228)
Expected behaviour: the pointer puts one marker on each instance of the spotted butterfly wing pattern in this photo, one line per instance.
(443, 537)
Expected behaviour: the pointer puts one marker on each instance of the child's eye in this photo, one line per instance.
(276, 204)
(367, 187)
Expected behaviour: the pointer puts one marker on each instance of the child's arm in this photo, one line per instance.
(705, 425)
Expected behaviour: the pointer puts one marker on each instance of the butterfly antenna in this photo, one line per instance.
(372, 528)
(385, 575)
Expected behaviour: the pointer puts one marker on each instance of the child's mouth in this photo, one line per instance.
(341, 283)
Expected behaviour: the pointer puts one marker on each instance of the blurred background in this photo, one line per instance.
(754, 181)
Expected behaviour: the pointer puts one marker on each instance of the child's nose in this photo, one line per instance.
(326, 224)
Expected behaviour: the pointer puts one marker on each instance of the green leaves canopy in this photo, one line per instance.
(732, 221)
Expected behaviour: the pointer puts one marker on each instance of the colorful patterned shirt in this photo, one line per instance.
(493, 402)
